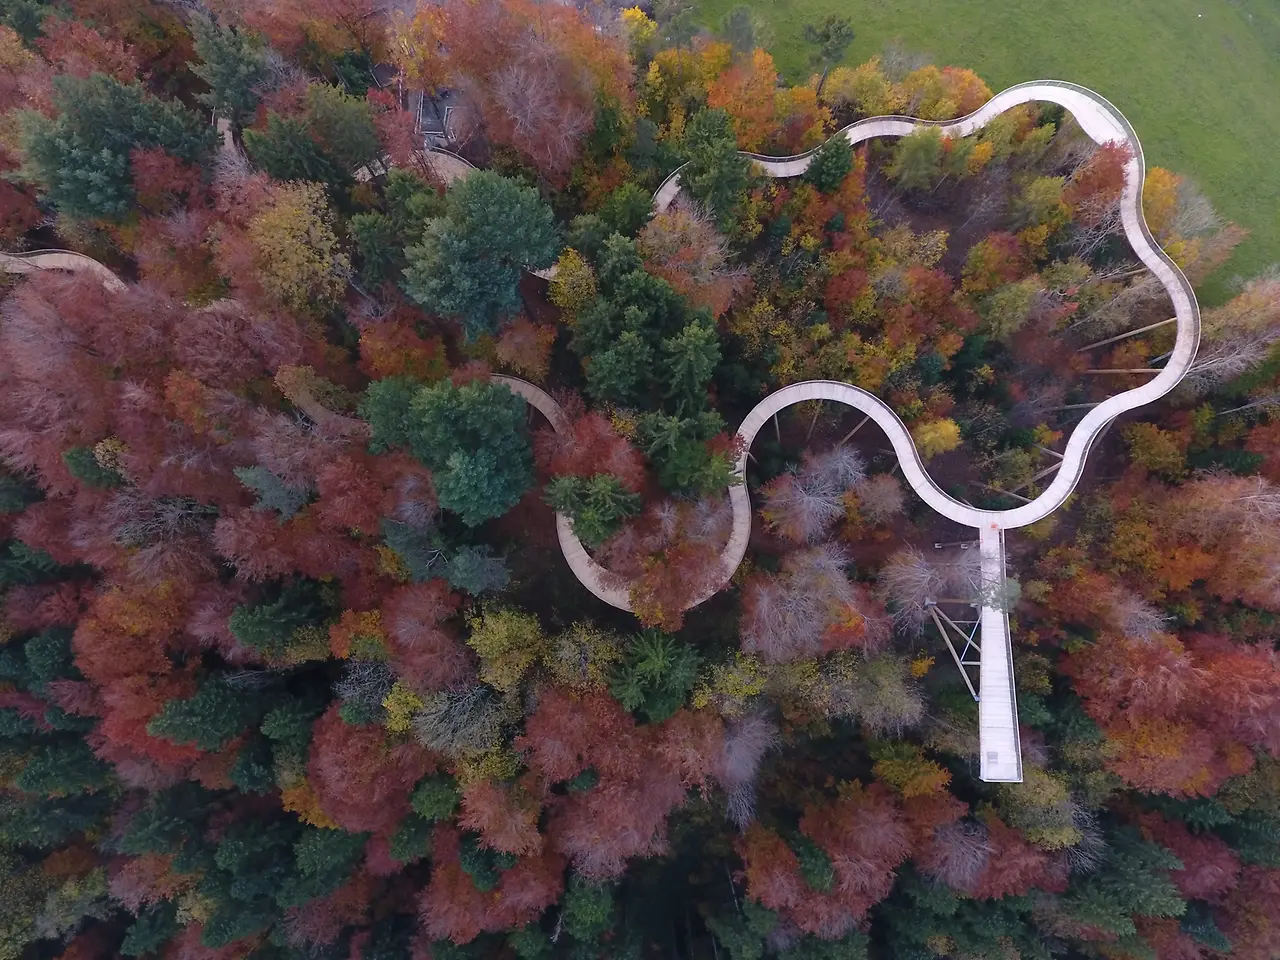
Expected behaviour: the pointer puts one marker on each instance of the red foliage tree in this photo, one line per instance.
(1235, 523)
(864, 835)
(1181, 718)
(693, 744)
(505, 816)
(173, 253)
(55, 394)
(1241, 698)
(1167, 938)
(565, 734)
(453, 908)
(670, 557)
(163, 179)
(841, 292)
(525, 348)
(362, 780)
(390, 347)
(624, 815)
(28, 706)
(673, 581)
(930, 312)
(1013, 865)
(535, 74)
(330, 25)
(73, 47)
(350, 494)
(683, 246)
(591, 446)
(32, 608)
(187, 945)
(322, 920)
(159, 39)
(808, 607)
(1250, 918)
(1166, 756)
(139, 881)
(426, 652)
(1210, 870)
(18, 212)
(998, 259)
(772, 868)
(396, 128)
(1094, 189)
(1149, 677)
(746, 91)
(621, 818)
(1264, 440)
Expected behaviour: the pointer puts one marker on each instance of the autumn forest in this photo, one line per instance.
(345, 305)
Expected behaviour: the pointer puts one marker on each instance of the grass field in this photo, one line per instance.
(1199, 79)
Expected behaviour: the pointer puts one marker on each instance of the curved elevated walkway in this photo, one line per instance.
(603, 584)
(35, 261)
(1101, 121)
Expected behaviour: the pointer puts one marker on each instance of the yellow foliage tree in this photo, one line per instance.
(1041, 806)
(494, 764)
(302, 800)
(417, 47)
(935, 436)
(508, 642)
(298, 260)
(980, 157)
(902, 247)
(583, 656)
(574, 285)
(639, 30)
(864, 87)
(1133, 544)
(676, 83)
(358, 633)
(731, 685)
(1160, 201)
(799, 115)
(401, 704)
(714, 58)
(965, 88)
(921, 665)
(758, 326)
(867, 362)
(1163, 452)
(905, 768)
(308, 643)
(926, 95)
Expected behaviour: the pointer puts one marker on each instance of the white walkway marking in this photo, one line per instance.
(997, 708)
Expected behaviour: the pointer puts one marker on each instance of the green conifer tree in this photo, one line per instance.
(231, 64)
(82, 158)
(469, 261)
(216, 715)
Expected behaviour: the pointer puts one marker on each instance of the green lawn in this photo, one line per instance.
(1199, 79)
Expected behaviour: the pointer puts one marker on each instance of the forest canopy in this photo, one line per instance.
(363, 316)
